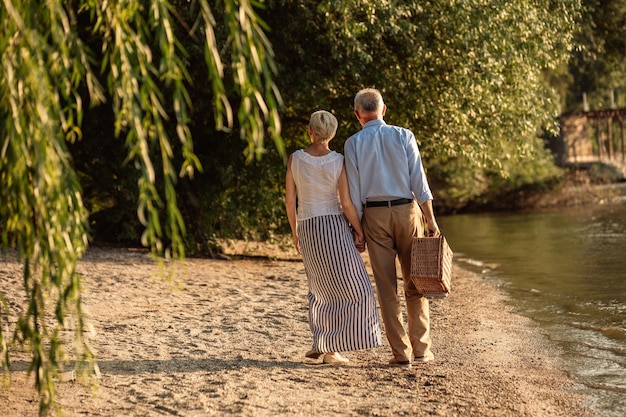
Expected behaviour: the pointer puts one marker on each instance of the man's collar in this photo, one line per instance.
(375, 122)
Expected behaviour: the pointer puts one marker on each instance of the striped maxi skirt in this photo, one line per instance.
(342, 306)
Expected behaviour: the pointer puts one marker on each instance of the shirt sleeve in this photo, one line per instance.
(419, 182)
(353, 177)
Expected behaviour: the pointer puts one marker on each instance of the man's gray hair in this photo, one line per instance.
(369, 100)
(323, 125)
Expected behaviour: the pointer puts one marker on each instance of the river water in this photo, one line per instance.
(565, 269)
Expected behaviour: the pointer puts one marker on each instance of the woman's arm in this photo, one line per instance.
(290, 204)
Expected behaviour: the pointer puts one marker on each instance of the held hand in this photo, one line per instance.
(359, 242)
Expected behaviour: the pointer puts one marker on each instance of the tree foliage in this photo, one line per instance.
(468, 77)
(598, 64)
(49, 74)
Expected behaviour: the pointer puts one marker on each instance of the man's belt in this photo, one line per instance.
(389, 203)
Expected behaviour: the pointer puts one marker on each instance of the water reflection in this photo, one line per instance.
(566, 269)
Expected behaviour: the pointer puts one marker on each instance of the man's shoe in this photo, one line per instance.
(400, 364)
(426, 358)
(335, 359)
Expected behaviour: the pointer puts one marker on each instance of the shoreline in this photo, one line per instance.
(229, 337)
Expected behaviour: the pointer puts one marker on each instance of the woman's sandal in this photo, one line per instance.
(313, 354)
(335, 359)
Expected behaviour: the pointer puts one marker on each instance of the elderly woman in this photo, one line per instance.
(342, 307)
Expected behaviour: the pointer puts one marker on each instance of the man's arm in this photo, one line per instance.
(419, 182)
(427, 210)
(350, 211)
(353, 177)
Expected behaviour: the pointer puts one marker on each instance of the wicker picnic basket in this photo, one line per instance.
(431, 266)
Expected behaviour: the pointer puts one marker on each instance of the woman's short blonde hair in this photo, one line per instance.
(323, 125)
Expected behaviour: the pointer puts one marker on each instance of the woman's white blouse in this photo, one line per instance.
(316, 180)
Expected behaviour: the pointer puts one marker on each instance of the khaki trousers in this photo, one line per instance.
(389, 232)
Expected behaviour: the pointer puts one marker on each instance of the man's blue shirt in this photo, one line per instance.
(383, 162)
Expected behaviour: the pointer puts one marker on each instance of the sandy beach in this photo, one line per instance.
(228, 338)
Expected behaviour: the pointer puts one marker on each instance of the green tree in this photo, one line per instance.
(598, 64)
(48, 75)
(468, 77)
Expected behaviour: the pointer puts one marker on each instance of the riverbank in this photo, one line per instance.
(581, 185)
(230, 339)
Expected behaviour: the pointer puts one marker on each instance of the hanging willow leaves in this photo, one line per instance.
(47, 74)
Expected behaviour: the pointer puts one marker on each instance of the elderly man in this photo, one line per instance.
(387, 183)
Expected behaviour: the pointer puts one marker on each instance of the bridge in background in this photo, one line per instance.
(592, 136)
